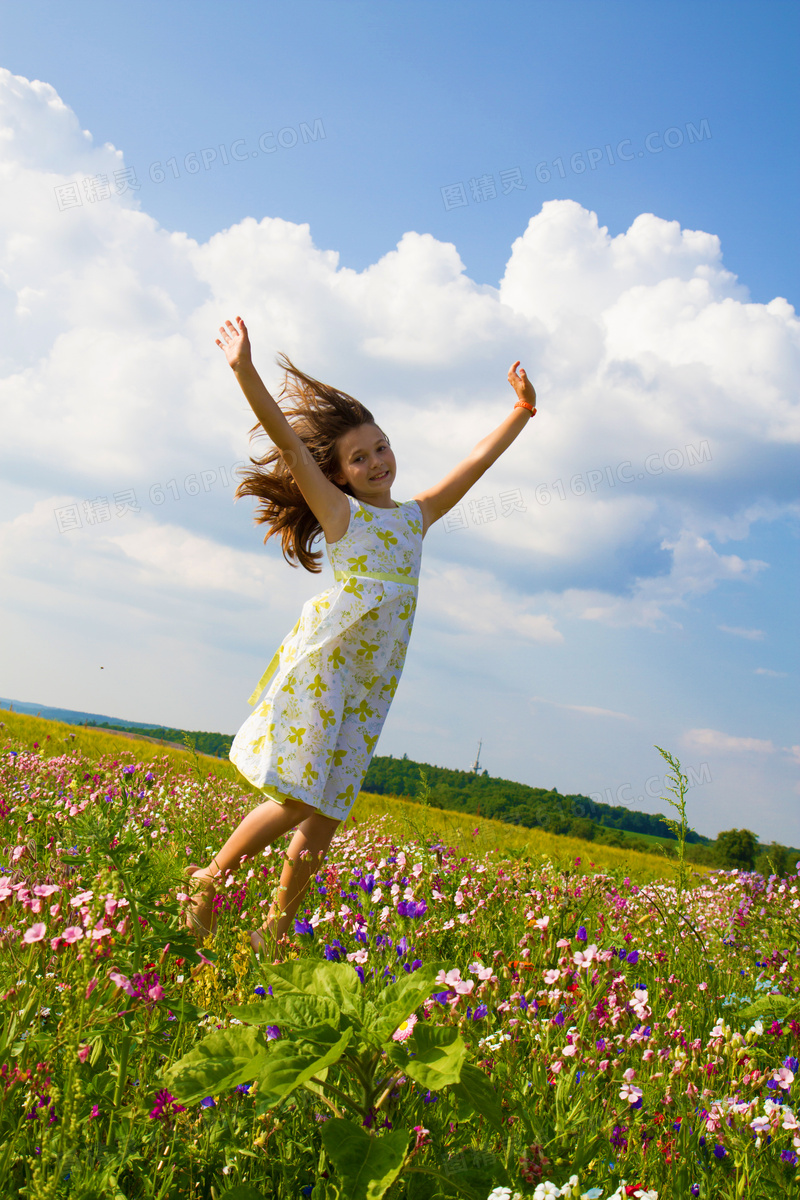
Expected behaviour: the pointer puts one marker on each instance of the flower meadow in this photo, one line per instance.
(446, 1021)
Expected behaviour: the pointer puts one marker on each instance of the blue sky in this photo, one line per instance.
(572, 636)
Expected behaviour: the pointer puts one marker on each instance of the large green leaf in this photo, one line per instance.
(476, 1089)
(400, 999)
(291, 1063)
(367, 1165)
(290, 1010)
(220, 1062)
(438, 1057)
(315, 977)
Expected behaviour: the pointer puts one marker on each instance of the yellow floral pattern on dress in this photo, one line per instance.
(334, 677)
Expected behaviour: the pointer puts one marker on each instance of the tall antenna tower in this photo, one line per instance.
(476, 765)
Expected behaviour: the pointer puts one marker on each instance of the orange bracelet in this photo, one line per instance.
(524, 404)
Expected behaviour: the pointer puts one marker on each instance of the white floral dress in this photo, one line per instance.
(313, 735)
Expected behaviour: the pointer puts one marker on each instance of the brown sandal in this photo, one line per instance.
(191, 920)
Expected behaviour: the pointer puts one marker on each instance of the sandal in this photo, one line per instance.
(201, 894)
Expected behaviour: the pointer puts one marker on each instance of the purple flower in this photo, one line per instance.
(430, 1097)
(335, 951)
(441, 997)
(719, 1151)
(581, 934)
(273, 1033)
(402, 946)
(244, 1088)
(480, 1012)
(523, 1003)
(206, 1102)
(633, 957)
(402, 908)
(149, 777)
(558, 1019)
(165, 1106)
(259, 991)
(303, 926)
(359, 972)
(367, 883)
(694, 1190)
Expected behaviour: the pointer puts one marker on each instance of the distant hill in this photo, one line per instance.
(68, 715)
(462, 791)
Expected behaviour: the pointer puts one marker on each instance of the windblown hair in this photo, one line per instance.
(319, 416)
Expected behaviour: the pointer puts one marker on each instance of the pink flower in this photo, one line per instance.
(784, 1077)
(584, 958)
(84, 1053)
(629, 1075)
(73, 933)
(156, 992)
(405, 1029)
(630, 1093)
(34, 934)
(89, 989)
(95, 1111)
(122, 981)
(551, 977)
(46, 889)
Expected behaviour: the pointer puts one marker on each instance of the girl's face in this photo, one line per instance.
(367, 463)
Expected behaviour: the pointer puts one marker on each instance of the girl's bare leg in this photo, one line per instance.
(258, 829)
(305, 854)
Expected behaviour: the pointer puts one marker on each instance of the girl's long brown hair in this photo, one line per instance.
(319, 416)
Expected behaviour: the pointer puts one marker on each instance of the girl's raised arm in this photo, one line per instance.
(328, 503)
(434, 502)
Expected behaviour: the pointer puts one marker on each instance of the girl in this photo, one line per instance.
(308, 745)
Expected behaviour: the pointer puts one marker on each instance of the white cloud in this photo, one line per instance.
(752, 635)
(772, 674)
(587, 709)
(724, 743)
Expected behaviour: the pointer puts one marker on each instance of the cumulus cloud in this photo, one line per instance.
(667, 415)
(713, 739)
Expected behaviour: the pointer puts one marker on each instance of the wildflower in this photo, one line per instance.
(84, 1053)
(208, 1102)
(303, 926)
(73, 933)
(581, 935)
(165, 1106)
(405, 1029)
(34, 934)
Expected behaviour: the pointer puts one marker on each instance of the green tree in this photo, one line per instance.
(737, 848)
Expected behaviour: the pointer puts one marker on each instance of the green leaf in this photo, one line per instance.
(475, 1088)
(400, 999)
(221, 1061)
(291, 1063)
(368, 1165)
(335, 981)
(290, 1010)
(778, 1006)
(242, 1191)
(439, 1055)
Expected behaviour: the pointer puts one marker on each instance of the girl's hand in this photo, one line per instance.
(235, 343)
(521, 384)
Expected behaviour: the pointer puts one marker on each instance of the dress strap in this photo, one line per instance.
(270, 668)
(389, 576)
